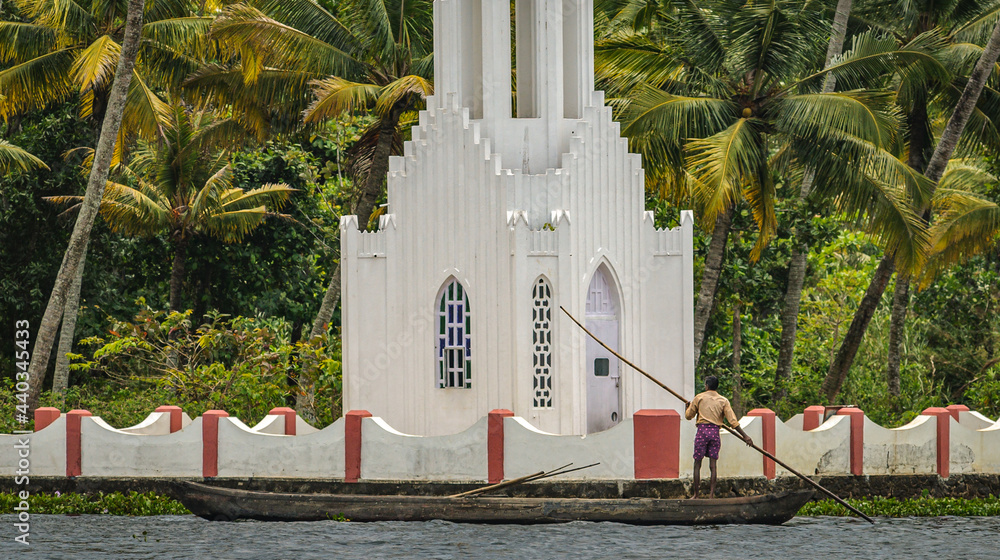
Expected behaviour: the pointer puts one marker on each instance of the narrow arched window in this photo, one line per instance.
(541, 339)
(454, 347)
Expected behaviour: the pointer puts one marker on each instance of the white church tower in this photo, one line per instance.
(495, 220)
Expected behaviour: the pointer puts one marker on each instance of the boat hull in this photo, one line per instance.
(227, 504)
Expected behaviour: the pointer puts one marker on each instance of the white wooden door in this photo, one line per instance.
(603, 369)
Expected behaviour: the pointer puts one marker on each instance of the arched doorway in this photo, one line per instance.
(603, 372)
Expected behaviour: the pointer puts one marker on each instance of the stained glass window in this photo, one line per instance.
(454, 346)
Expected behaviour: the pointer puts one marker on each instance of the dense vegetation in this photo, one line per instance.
(235, 306)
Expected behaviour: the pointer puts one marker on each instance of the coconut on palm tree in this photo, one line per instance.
(180, 185)
(721, 98)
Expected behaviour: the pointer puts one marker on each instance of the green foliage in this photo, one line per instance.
(244, 365)
(909, 507)
(116, 503)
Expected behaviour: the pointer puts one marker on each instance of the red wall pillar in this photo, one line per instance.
(175, 413)
(289, 415)
(352, 444)
(857, 439)
(954, 409)
(767, 437)
(45, 416)
(812, 417)
(943, 438)
(656, 440)
(494, 444)
(210, 442)
(74, 455)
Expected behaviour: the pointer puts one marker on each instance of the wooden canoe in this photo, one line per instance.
(227, 504)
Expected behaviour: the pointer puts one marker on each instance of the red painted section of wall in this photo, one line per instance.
(289, 415)
(767, 437)
(494, 444)
(74, 456)
(857, 439)
(812, 417)
(210, 442)
(954, 409)
(45, 416)
(352, 444)
(943, 438)
(656, 440)
(175, 416)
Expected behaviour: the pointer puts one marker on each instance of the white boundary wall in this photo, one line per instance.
(149, 450)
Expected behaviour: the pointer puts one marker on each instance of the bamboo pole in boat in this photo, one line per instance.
(730, 430)
(499, 485)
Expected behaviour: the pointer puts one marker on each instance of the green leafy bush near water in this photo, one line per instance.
(910, 507)
(115, 503)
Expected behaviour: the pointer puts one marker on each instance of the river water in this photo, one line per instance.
(188, 537)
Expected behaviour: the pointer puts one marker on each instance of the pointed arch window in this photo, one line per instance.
(541, 339)
(454, 345)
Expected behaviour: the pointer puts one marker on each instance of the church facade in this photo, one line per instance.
(498, 218)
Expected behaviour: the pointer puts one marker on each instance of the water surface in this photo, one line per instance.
(188, 537)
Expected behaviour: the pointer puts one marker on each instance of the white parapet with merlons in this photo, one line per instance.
(651, 444)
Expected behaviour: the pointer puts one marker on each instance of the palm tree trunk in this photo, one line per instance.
(329, 305)
(372, 190)
(841, 364)
(177, 274)
(60, 380)
(797, 264)
(737, 358)
(900, 303)
(920, 144)
(76, 251)
(710, 279)
(363, 210)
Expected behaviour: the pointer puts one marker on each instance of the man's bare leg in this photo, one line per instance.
(711, 484)
(697, 479)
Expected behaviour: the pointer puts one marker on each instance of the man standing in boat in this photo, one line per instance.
(712, 410)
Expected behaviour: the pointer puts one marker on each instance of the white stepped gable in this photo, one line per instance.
(498, 205)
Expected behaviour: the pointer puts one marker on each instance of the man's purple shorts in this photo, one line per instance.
(707, 442)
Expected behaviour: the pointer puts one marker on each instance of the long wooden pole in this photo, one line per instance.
(730, 430)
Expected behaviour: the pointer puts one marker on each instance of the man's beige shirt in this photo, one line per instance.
(711, 408)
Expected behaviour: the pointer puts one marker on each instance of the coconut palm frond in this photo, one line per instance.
(406, 86)
(866, 114)
(23, 41)
(13, 157)
(336, 96)
(724, 164)
(36, 83)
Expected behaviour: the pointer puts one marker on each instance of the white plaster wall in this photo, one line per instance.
(988, 459)
(795, 422)
(910, 449)
(156, 424)
(105, 451)
(824, 450)
(246, 453)
(275, 424)
(528, 450)
(973, 420)
(387, 454)
(735, 458)
(47, 451)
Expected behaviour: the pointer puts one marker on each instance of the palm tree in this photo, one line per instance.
(948, 33)
(181, 185)
(298, 56)
(719, 99)
(76, 252)
(62, 48)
